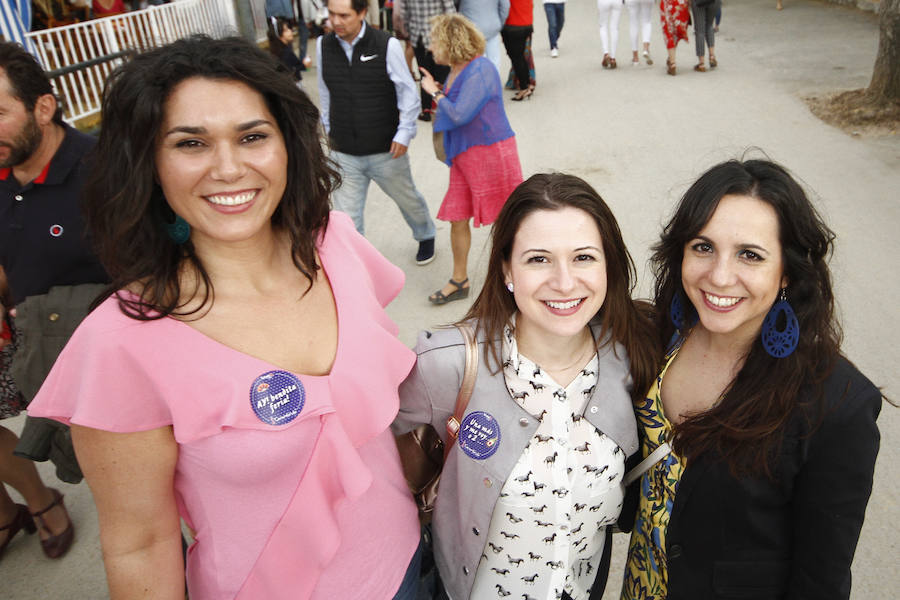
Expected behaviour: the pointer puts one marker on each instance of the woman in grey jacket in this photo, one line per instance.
(535, 479)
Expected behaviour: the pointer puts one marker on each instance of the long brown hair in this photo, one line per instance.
(746, 426)
(627, 321)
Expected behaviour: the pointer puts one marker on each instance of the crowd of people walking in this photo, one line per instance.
(229, 364)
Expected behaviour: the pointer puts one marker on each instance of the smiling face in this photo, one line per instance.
(558, 270)
(221, 160)
(732, 271)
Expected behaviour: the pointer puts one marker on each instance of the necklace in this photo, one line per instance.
(587, 347)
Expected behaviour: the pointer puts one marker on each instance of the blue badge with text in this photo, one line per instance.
(277, 397)
(479, 435)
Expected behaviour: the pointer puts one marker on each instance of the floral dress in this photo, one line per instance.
(11, 400)
(675, 15)
(646, 577)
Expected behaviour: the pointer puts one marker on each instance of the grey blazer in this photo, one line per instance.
(470, 488)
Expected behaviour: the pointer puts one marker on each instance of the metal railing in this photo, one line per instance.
(80, 57)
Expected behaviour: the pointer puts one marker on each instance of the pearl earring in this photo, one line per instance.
(510, 287)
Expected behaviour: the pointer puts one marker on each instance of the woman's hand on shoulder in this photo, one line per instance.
(131, 476)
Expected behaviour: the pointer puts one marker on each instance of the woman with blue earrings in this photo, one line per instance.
(758, 437)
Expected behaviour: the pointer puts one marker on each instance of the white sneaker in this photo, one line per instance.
(554, 52)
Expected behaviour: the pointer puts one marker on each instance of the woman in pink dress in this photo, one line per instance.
(214, 385)
(674, 15)
(479, 144)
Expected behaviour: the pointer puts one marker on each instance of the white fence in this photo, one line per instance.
(79, 57)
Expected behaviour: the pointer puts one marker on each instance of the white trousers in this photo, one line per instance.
(639, 14)
(610, 11)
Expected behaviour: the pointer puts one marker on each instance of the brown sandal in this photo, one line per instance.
(22, 520)
(55, 545)
(670, 67)
(700, 67)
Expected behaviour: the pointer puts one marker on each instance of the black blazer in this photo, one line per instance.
(788, 538)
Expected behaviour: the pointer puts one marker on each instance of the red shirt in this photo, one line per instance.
(521, 12)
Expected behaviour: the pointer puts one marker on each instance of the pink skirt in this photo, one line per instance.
(481, 179)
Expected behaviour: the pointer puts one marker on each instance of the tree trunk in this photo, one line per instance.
(885, 84)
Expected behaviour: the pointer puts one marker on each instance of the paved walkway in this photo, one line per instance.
(640, 137)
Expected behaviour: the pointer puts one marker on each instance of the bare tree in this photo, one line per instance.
(885, 84)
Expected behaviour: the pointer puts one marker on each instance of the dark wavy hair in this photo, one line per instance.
(124, 203)
(746, 426)
(26, 77)
(627, 321)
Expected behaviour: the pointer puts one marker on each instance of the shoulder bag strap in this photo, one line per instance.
(654, 457)
(465, 390)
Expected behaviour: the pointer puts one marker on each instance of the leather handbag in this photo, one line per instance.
(422, 452)
(437, 138)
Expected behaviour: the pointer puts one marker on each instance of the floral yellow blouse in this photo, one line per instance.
(645, 569)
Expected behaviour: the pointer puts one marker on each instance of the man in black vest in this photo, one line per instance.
(369, 104)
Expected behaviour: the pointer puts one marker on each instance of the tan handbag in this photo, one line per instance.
(437, 138)
(421, 450)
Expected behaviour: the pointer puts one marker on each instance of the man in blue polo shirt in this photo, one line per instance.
(50, 269)
(369, 104)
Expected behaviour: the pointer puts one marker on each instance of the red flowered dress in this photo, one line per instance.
(674, 15)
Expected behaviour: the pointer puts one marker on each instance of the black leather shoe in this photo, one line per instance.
(426, 252)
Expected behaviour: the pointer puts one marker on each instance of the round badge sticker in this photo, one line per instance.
(479, 435)
(277, 397)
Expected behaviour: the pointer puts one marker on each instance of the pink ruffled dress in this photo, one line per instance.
(292, 482)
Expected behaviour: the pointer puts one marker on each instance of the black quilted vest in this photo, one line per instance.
(363, 111)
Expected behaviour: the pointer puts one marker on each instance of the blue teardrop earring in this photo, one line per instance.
(780, 343)
(179, 231)
(680, 317)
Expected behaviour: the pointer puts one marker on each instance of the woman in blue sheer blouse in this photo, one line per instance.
(479, 144)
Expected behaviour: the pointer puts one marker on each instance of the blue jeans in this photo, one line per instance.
(556, 18)
(409, 587)
(304, 38)
(394, 177)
